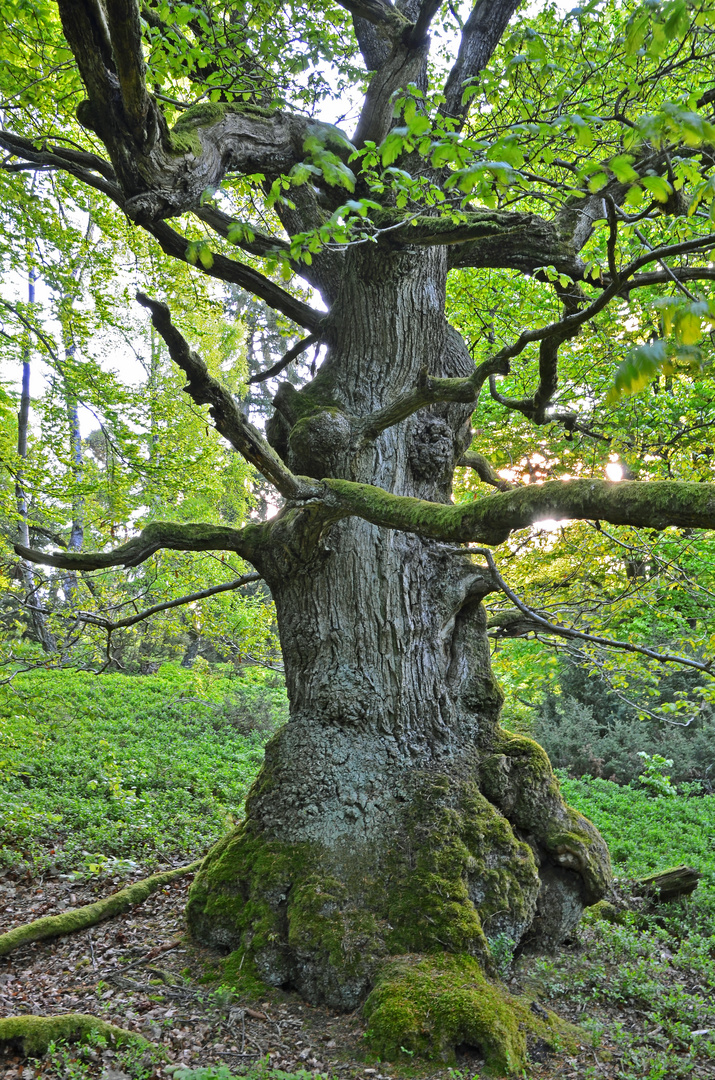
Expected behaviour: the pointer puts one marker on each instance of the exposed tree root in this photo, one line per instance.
(431, 1004)
(37, 1032)
(80, 918)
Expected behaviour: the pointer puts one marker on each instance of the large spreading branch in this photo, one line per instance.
(171, 535)
(99, 174)
(164, 173)
(482, 32)
(378, 12)
(230, 422)
(653, 505)
(496, 239)
(405, 63)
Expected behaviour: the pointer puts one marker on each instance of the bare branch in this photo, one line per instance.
(662, 277)
(132, 620)
(260, 243)
(570, 632)
(485, 471)
(79, 164)
(237, 273)
(225, 413)
(534, 407)
(615, 288)
(429, 391)
(284, 361)
(612, 234)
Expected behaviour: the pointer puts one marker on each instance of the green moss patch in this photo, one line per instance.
(454, 865)
(430, 1005)
(458, 850)
(518, 778)
(37, 1032)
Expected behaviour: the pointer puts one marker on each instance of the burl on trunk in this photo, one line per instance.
(393, 817)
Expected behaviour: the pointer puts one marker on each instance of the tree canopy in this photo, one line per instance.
(568, 174)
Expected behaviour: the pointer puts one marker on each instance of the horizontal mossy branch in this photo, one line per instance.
(491, 520)
(654, 505)
(37, 1032)
(194, 536)
(69, 922)
(492, 238)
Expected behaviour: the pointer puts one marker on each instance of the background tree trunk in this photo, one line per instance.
(39, 621)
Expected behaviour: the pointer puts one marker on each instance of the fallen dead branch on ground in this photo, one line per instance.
(70, 922)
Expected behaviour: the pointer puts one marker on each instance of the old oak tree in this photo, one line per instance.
(396, 829)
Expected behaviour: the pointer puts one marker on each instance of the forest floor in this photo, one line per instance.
(103, 782)
(140, 972)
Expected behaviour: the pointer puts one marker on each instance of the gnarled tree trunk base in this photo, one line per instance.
(466, 852)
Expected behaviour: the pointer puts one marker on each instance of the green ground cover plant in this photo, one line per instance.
(647, 833)
(138, 769)
(103, 772)
(655, 970)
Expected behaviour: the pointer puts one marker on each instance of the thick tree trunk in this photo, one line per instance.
(392, 815)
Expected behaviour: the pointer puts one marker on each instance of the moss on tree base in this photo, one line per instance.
(479, 854)
(430, 1005)
(321, 922)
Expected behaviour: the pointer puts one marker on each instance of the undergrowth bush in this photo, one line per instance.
(101, 768)
(590, 731)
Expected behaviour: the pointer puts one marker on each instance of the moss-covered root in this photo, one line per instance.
(80, 918)
(37, 1032)
(430, 1005)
